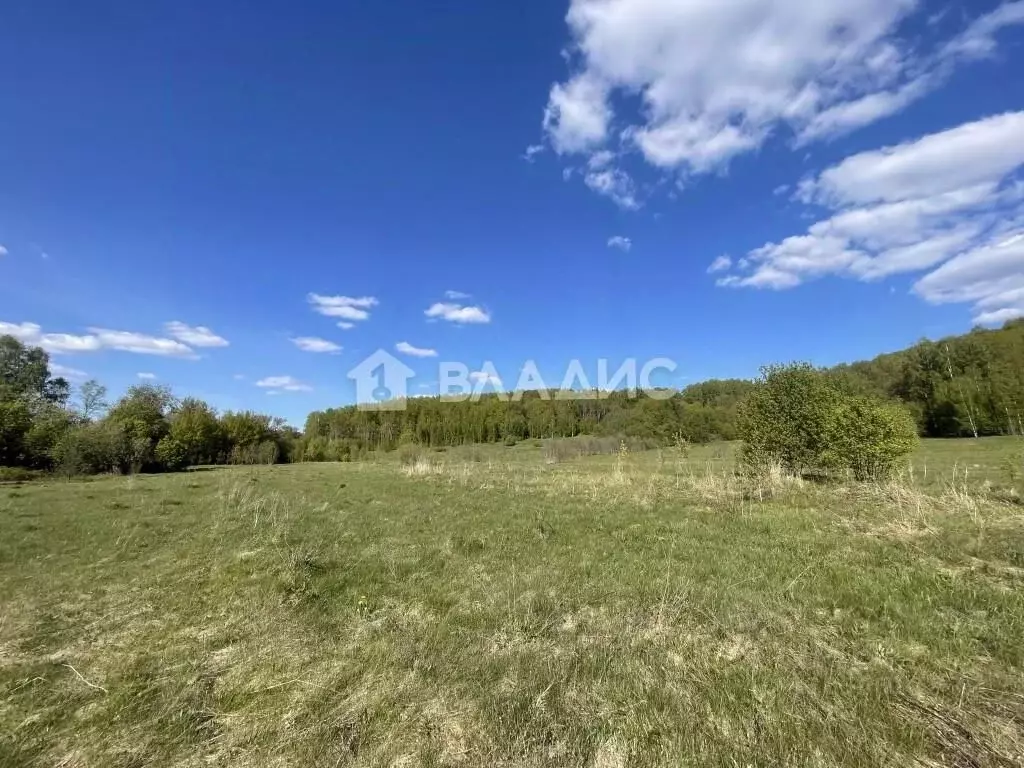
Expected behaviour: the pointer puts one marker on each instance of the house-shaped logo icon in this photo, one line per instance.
(382, 382)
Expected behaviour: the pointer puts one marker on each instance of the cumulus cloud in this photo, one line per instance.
(346, 307)
(283, 384)
(622, 243)
(706, 81)
(408, 349)
(950, 201)
(457, 313)
(315, 344)
(345, 326)
(146, 376)
(199, 336)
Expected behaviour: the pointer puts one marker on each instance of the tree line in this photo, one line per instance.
(969, 385)
(46, 426)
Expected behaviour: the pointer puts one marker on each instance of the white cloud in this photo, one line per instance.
(950, 202)
(346, 307)
(97, 339)
(408, 349)
(456, 313)
(957, 159)
(3, 251)
(577, 116)
(315, 344)
(71, 374)
(704, 81)
(720, 264)
(146, 376)
(614, 184)
(346, 326)
(199, 336)
(622, 243)
(848, 115)
(978, 40)
(239, 377)
(140, 343)
(990, 275)
(283, 383)
(456, 295)
(32, 334)
(532, 151)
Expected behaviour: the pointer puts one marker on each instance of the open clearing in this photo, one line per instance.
(485, 607)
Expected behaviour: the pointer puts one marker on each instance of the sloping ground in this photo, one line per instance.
(606, 611)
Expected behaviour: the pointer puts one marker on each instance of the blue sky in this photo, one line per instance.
(177, 180)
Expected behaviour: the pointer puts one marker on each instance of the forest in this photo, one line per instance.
(962, 386)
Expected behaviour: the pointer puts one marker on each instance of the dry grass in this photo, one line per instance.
(625, 609)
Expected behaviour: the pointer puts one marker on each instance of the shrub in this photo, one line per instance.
(799, 419)
(870, 438)
(172, 453)
(92, 449)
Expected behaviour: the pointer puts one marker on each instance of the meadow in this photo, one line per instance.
(517, 606)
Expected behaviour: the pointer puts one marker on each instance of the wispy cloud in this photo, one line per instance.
(314, 344)
(720, 264)
(408, 349)
(346, 307)
(532, 151)
(198, 336)
(456, 295)
(624, 244)
(71, 374)
(3, 251)
(140, 343)
(283, 384)
(457, 313)
(146, 376)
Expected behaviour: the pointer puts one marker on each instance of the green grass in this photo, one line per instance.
(484, 606)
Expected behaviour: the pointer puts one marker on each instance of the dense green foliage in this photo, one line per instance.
(799, 418)
(969, 385)
(701, 413)
(146, 430)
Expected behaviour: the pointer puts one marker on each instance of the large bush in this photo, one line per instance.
(800, 419)
(870, 438)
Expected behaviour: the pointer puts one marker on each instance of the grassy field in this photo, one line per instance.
(496, 607)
